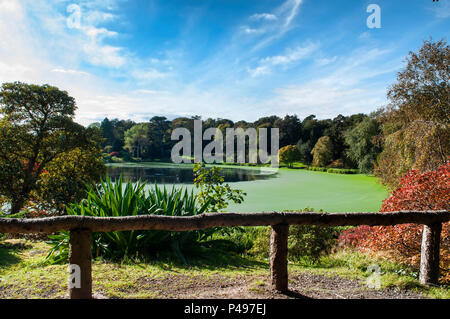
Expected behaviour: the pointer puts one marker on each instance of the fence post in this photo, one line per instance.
(278, 257)
(429, 255)
(80, 260)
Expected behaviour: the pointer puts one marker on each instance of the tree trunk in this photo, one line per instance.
(80, 263)
(278, 257)
(17, 206)
(429, 259)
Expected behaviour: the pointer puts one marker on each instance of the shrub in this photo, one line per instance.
(113, 200)
(317, 169)
(417, 191)
(339, 163)
(306, 243)
(288, 155)
(342, 171)
(212, 189)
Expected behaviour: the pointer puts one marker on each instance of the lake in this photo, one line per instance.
(269, 190)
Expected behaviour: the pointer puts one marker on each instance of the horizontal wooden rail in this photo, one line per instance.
(209, 220)
(81, 227)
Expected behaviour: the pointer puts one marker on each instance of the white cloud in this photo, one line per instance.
(263, 16)
(275, 24)
(326, 61)
(149, 74)
(69, 71)
(291, 56)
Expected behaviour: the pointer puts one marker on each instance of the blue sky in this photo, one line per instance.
(215, 58)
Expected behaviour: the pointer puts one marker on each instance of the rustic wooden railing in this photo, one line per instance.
(81, 227)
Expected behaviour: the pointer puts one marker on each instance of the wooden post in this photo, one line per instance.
(429, 258)
(80, 268)
(278, 257)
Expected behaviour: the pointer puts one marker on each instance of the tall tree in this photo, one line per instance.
(36, 128)
(322, 151)
(363, 147)
(415, 127)
(137, 140)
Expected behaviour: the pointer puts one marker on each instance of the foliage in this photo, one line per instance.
(288, 155)
(37, 129)
(212, 191)
(113, 199)
(65, 178)
(415, 125)
(306, 243)
(317, 169)
(137, 141)
(342, 171)
(322, 152)
(417, 191)
(363, 148)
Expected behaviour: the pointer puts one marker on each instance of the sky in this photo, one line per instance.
(235, 59)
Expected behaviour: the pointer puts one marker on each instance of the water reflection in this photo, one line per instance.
(180, 175)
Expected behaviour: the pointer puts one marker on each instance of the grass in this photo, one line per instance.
(23, 273)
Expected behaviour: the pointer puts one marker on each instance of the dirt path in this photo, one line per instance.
(302, 285)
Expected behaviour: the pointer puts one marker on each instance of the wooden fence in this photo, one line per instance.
(81, 227)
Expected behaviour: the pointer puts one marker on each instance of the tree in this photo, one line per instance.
(322, 152)
(159, 135)
(137, 140)
(290, 129)
(288, 155)
(417, 191)
(363, 147)
(36, 129)
(415, 124)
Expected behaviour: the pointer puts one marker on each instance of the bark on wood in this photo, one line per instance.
(209, 220)
(429, 259)
(278, 257)
(80, 255)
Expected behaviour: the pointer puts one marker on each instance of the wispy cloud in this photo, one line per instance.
(276, 29)
(263, 16)
(69, 71)
(289, 57)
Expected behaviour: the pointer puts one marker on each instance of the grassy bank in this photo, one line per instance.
(210, 274)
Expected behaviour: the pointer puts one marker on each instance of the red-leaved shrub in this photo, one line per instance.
(417, 191)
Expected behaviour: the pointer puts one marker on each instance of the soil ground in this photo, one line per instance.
(303, 285)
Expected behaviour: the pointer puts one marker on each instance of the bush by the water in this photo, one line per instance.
(333, 170)
(112, 199)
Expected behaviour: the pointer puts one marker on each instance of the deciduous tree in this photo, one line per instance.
(36, 129)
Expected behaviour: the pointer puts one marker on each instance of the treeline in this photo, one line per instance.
(344, 141)
(411, 132)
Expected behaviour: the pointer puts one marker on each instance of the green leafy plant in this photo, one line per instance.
(212, 190)
(116, 199)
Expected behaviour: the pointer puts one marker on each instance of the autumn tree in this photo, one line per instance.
(417, 191)
(415, 124)
(37, 130)
(322, 152)
(288, 155)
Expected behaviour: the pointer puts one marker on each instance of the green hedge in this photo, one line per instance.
(333, 170)
(342, 171)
